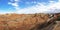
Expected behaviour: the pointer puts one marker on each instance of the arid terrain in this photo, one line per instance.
(38, 21)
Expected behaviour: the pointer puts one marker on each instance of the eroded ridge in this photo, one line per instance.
(24, 21)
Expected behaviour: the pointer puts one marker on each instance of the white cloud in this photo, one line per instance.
(15, 4)
(16, 0)
(5, 12)
(52, 7)
(34, 2)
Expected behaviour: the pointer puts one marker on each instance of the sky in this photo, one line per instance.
(29, 6)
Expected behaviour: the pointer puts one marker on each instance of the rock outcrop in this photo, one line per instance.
(24, 21)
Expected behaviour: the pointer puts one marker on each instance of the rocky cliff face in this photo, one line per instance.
(23, 21)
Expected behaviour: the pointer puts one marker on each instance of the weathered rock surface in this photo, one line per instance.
(24, 21)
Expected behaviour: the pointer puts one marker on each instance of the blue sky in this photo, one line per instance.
(29, 6)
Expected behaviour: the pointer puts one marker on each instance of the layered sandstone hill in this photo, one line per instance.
(22, 21)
